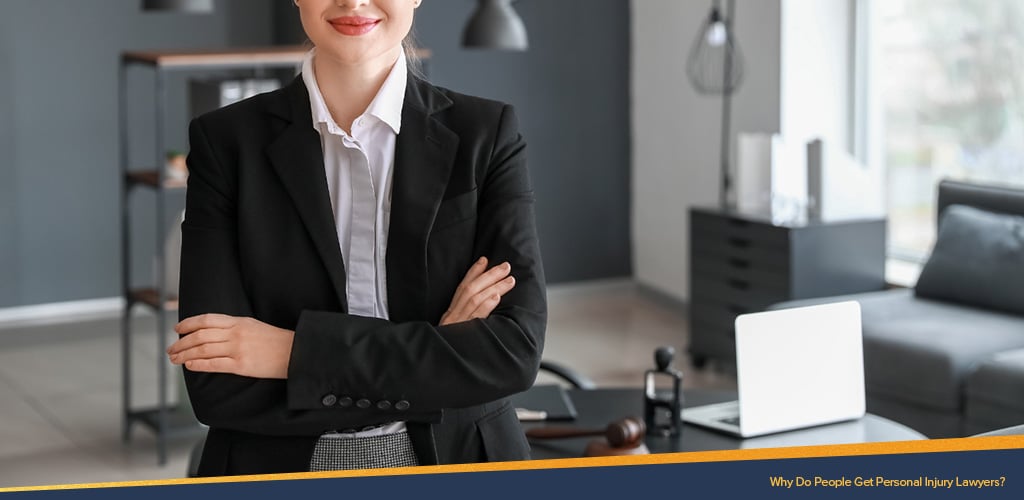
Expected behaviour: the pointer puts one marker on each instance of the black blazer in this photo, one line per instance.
(259, 240)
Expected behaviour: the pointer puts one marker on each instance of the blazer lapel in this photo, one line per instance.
(297, 156)
(424, 154)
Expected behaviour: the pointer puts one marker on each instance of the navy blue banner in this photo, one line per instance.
(968, 474)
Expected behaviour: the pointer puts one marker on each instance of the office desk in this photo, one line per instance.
(598, 407)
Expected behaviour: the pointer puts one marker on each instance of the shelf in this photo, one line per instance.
(227, 58)
(151, 179)
(151, 297)
(218, 58)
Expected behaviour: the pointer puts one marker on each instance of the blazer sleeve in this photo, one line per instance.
(211, 282)
(430, 367)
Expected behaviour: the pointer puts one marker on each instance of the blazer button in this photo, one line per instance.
(383, 405)
(363, 404)
(345, 402)
(402, 405)
(329, 400)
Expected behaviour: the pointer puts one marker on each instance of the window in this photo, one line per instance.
(945, 99)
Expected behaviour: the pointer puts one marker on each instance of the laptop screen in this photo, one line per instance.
(799, 367)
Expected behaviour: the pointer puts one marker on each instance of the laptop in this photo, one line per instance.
(796, 368)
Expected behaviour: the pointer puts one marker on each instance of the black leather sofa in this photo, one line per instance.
(947, 356)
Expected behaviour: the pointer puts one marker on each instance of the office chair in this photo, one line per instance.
(568, 375)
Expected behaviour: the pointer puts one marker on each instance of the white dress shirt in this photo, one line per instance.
(359, 170)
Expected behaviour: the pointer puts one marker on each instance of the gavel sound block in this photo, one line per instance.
(622, 437)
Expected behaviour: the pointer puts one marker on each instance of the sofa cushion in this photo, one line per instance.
(919, 350)
(998, 380)
(978, 260)
(983, 416)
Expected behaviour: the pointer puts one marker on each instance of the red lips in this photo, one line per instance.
(353, 25)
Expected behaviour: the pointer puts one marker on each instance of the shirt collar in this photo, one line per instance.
(386, 105)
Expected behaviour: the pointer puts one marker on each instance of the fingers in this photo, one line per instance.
(194, 323)
(474, 272)
(491, 297)
(479, 292)
(204, 351)
(469, 297)
(214, 365)
(482, 304)
(489, 278)
(197, 338)
(247, 347)
(476, 269)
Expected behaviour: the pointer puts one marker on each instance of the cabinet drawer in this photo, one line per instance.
(736, 292)
(740, 231)
(739, 253)
(734, 268)
(718, 314)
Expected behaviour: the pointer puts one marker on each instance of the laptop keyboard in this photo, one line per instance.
(731, 420)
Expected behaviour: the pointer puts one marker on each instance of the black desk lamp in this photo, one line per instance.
(715, 67)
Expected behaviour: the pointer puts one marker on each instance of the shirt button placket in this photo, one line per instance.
(364, 216)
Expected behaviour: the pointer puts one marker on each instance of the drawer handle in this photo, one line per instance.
(739, 242)
(739, 263)
(739, 222)
(739, 284)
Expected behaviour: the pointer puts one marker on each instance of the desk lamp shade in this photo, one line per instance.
(715, 65)
(495, 25)
(190, 6)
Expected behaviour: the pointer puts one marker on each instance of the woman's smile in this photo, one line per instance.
(353, 25)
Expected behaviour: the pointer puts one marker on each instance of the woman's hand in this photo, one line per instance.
(218, 343)
(480, 292)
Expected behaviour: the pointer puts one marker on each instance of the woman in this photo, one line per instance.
(340, 307)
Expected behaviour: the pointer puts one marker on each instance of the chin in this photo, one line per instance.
(350, 52)
(347, 56)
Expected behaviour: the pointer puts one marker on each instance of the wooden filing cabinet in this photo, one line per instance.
(742, 263)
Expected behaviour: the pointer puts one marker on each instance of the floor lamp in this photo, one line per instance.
(715, 67)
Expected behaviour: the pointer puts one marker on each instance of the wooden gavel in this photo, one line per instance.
(622, 437)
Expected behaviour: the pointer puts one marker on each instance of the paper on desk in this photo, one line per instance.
(525, 415)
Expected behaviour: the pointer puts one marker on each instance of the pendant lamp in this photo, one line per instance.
(186, 6)
(495, 25)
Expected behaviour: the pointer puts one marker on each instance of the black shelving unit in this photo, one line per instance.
(163, 419)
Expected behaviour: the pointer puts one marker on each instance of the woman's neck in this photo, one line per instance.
(348, 89)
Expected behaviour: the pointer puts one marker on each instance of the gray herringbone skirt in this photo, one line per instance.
(390, 450)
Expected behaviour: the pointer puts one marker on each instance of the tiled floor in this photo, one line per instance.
(60, 385)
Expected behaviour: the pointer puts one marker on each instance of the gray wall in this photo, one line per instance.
(59, 232)
(58, 135)
(8, 179)
(571, 92)
(677, 130)
(8, 202)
